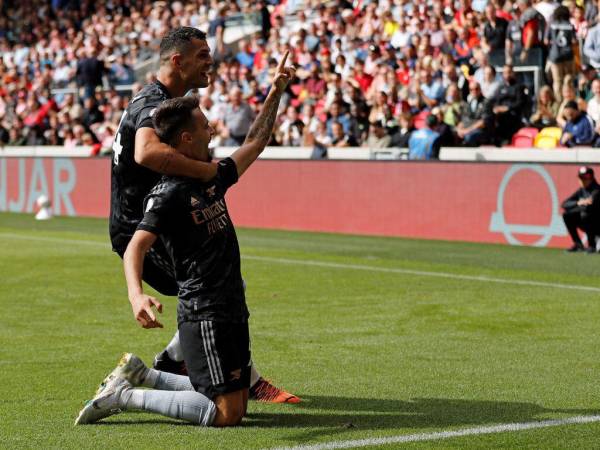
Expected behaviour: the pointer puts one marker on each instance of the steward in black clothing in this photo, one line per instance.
(582, 210)
(509, 104)
(494, 35)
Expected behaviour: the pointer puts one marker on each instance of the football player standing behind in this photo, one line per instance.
(139, 159)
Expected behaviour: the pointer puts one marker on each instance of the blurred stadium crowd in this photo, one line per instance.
(370, 73)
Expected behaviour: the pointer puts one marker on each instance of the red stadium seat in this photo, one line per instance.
(524, 138)
(521, 141)
(528, 131)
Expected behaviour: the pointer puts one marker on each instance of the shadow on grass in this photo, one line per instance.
(319, 416)
(332, 415)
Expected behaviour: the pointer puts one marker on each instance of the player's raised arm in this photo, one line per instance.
(262, 128)
(133, 262)
(162, 158)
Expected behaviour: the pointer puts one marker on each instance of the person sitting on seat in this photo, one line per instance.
(582, 211)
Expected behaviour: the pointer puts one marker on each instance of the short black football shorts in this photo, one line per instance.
(217, 356)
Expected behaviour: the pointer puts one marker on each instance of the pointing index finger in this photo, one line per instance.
(282, 62)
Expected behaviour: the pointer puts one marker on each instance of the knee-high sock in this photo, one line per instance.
(174, 348)
(187, 405)
(254, 375)
(166, 381)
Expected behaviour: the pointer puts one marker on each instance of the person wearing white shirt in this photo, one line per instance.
(593, 106)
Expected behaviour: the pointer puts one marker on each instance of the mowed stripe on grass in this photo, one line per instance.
(332, 265)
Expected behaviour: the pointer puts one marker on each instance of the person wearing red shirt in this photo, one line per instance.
(362, 78)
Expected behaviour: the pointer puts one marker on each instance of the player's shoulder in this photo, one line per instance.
(151, 95)
(171, 187)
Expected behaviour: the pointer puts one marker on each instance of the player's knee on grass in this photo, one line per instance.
(230, 409)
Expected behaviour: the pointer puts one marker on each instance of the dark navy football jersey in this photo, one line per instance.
(193, 222)
(130, 182)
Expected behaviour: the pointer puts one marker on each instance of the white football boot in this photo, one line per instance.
(105, 403)
(130, 368)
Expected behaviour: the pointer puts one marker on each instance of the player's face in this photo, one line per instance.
(196, 65)
(202, 135)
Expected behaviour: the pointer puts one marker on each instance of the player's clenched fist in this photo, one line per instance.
(283, 75)
(141, 305)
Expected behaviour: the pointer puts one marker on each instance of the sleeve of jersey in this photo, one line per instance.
(227, 172)
(144, 119)
(157, 208)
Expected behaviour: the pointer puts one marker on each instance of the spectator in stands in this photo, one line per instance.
(90, 71)
(586, 77)
(265, 19)
(561, 38)
(120, 72)
(524, 36)
(335, 115)
(579, 129)
(447, 137)
(593, 105)
(216, 29)
(546, 109)
(591, 12)
(509, 105)
(430, 91)
(489, 83)
(424, 143)
(16, 137)
(321, 138)
(453, 106)
(339, 138)
(591, 47)
(237, 119)
(405, 128)
(91, 112)
(378, 135)
(476, 120)
(579, 23)
(568, 94)
(494, 35)
(582, 211)
(291, 131)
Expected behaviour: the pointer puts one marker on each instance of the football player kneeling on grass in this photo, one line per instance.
(192, 220)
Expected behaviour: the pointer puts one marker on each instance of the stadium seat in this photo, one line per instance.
(529, 131)
(554, 132)
(524, 138)
(542, 141)
(522, 141)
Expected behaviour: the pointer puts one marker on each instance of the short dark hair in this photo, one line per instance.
(174, 116)
(431, 120)
(571, 104)
(179, 40)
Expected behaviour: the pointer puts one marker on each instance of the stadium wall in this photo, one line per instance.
(481, 202)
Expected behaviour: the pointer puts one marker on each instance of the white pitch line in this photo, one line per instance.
(508, 427)
(332, 265)
(423, 273)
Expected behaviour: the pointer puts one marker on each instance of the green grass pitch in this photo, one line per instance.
(373, 353)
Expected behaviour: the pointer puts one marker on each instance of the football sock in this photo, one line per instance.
(254, 375)
(174, 348)
(166, 381)
(187, 405)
